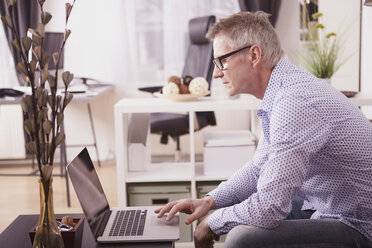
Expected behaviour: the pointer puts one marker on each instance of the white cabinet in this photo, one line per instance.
(176, 172)
(167, 172)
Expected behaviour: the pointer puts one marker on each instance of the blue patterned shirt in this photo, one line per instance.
(316, 144)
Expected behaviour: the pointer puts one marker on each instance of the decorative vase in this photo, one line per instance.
(47, 232)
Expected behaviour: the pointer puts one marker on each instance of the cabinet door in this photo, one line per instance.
(152, 194)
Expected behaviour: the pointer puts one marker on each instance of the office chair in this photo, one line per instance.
(198, 64)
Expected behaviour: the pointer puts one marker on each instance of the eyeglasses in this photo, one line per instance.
(218, 61)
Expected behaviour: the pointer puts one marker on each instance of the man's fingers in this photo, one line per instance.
(177, 208)
(158, 210)
(165, 209)
(197, 214)
(191, 218)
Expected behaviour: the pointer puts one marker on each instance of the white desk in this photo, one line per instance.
(361, 99)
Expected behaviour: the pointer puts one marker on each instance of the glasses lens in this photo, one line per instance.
(217, 63)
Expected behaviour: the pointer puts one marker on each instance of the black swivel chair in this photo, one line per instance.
(198, 64)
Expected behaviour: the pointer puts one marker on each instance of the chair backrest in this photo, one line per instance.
(200, 52)
(199, 55)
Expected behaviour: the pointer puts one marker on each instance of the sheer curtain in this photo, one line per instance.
(7, 71)
(11, 127)
(158, 34)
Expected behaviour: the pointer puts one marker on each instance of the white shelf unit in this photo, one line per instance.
(191, 171)
(167, 172)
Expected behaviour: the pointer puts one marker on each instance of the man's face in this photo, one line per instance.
(236, 72)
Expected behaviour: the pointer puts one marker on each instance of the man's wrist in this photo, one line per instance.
(210, 202)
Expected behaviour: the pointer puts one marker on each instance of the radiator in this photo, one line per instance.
(12, 140)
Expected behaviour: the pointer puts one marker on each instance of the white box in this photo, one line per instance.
(139, 155)
(227, 151)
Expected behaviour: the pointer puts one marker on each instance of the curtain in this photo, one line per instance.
(158, 34)
(7, 68)
(25, 15)
(269, 6)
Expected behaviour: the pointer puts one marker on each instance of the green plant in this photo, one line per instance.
(321, 53)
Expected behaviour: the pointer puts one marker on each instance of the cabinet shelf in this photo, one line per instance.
(172, 172)
(199, 174)
(162, 172)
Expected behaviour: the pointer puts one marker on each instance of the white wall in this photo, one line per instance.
(366, 56)
(343, 18)
(287, 28)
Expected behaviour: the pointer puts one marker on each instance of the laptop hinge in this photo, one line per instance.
(103, 225)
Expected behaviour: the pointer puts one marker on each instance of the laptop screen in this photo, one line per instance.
(89, 190)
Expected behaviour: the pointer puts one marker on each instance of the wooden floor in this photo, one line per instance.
(20, 194)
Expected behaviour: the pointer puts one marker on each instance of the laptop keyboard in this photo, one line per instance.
(128, 223)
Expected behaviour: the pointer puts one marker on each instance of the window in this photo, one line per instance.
(160, 34)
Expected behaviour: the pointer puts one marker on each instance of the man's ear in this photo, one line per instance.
(256, 55)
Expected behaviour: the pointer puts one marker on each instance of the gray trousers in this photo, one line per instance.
(298, 230)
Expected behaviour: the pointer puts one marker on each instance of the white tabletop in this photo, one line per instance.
(146, 105)
(91, 93)
(362, 99)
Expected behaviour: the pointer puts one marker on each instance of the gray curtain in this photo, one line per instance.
(25, 13)
(269, 6)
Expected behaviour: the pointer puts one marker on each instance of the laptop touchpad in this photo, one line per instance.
(161, 221)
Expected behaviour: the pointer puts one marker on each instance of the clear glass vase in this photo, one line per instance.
(47, 232)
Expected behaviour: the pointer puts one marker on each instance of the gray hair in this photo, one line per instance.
(247, 28)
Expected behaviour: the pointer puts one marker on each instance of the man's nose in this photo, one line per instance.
(217, 73)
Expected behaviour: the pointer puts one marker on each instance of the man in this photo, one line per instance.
(310, 181)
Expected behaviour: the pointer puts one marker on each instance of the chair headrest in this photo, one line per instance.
(198, 28)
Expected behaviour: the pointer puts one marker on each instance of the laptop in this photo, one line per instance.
(116, 225)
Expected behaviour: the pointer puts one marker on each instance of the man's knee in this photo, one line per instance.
(242, 236)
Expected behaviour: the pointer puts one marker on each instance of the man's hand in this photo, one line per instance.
(197, 208)
(203, 235)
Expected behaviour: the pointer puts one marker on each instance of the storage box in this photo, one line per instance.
(139, 155)
(227, 151)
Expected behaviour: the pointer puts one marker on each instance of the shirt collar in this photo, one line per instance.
(275, 83)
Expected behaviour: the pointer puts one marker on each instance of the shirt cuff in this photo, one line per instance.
(216, 223)
(218, 197)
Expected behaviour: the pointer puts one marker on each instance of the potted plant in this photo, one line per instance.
(321, 52)
(44, 112)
